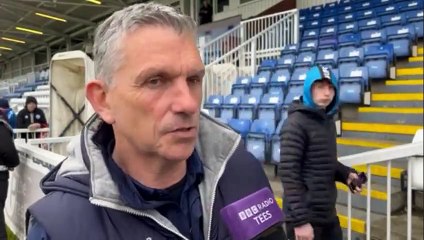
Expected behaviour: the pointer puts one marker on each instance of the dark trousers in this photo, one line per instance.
(4, 183)
(331, 231)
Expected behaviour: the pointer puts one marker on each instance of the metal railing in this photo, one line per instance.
(412, 153)
(246, 9)
(244, 59)
(238, 35)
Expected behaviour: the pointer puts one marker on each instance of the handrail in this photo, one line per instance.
(260, 34)
(383, 155)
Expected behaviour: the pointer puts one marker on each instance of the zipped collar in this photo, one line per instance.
(84, 158)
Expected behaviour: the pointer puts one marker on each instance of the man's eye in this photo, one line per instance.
(154, 82)
(195, 80)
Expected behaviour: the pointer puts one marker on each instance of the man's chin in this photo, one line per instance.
(178, 152)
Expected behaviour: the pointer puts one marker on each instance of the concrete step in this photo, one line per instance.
(399, 86)
(380, 131)
(378, 197)
(348, 146)
(420, 51)
(395, 115)
(409, 71)
(416, 59)
(397, 99)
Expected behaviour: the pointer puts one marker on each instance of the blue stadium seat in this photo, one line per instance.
(310, 34)
(348, 27)
(346, 14)
(270, 106)
(258, 139)
(295, 90)
(378, 59)
(363, 5)
(286, 61)
(267, 65)
(305, 59)
(213, 105)
(229, 107)
(378, 3)
(373, 37)
(299, 73)
(329, 31)
(327, 57)
(12, 95)
(352, 84)
(410, 5)
(390, 20)
(330, 12)
(312, 24)
(367, 24)
(365, 14)
(329, 21)
(327, 43)
(350, 57)
(386, 10)
(247, 109)
(241, 126)
(401, 37)
(241, 86)
(290, 49)
(259, 83)
(416, 19)
(275, 143)
(279, 81)
(349, 39)
(308, 45)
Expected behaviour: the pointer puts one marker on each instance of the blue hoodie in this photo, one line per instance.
(10, 115)
(317, 73)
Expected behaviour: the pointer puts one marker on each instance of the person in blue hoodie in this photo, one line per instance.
(148, 164)
(10, 114)
(308, 165)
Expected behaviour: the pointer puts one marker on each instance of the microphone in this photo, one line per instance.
(256, 216)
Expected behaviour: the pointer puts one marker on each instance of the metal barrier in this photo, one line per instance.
(238, 35)
(409, 152)
(243, 60)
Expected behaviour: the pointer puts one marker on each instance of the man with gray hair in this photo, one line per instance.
(148, 164)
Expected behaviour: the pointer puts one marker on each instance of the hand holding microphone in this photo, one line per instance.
(256, 216)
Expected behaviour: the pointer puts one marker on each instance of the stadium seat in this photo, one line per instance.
(241, 86)
(386, 10)
(247, 109)
(365, 14)
(310, 34)
(401, 37)
(350, 57)
(213, 105)
(305, 59)
(295, 90)
(258, 139)
(267, 65)
(275, 143)
(286, 61)
(416, 19)
(348, 27)
(329, 21)
(349, 39)
(241, 126)
(327, 43)
(327, 57)
(259, 83)
(329, 31)
(229, 107)
(279, 81)
(290, 49)
(410, 6)
(369, 24)
(352, 84)
(378, 59)
(373, 37)
(391, 20)
(270, 106)
(308, 45)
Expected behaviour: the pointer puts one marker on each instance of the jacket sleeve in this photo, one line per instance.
(43, 121)
(36, 231)
(8, 154)
(20, 121)
(342, 172)
(293, 140)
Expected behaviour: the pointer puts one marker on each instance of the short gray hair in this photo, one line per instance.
(107, 40)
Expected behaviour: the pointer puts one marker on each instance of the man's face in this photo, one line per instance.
(31, 106)
(155, 96)
(322, 93)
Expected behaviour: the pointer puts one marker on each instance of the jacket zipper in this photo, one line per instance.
(221, 172)
(102, 203)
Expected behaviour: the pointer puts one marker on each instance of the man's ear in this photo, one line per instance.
(96, 92)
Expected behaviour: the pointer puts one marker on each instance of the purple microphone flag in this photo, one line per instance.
(252, 215)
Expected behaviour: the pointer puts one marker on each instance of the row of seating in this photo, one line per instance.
(360, 9)
(261, 137)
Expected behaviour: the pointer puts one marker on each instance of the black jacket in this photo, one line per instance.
(309, 166)
(24, 119)
(8, 154)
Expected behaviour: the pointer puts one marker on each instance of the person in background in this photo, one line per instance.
(9, 159)
(31, 117)
(205, 13)
(10, 114)
(148, 164)
(309, 167)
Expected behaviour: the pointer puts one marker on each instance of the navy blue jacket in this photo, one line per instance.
(83, 202)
